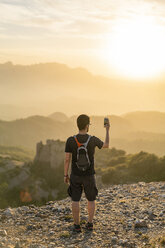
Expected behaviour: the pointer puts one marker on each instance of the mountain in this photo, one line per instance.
(124, 134)
(58, 116)
(27, 132)
(147, 121)
(50, 87)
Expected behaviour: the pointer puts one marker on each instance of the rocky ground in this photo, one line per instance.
(128, 215)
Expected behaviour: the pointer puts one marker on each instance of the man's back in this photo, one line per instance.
(71, 147)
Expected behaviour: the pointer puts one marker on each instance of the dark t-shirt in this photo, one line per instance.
(71, 146)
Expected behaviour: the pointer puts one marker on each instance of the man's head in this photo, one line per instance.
(83, 121)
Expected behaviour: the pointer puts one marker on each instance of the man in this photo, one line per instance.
(80, 180)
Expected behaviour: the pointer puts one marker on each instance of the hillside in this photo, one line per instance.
(132, 132)
(16, 153)
(27, 132)
(21, 174)
(128, 215)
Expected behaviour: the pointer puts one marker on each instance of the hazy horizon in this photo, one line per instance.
(111, 38)
(98, 58)
(34, 111)
(44, 88)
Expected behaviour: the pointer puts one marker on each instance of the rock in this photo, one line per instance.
(31, 227)
(140, 224)
(24, 208)
(51, 233)
(18, 245)
(50, 153)
(162, 195)
(3, 233)
(152, 188)
(141, 183)
(114, 240)
(9, 212)
(65, 234)
(129, 225)
(123, 242)
(151, 215)
(161, 213)
(162, 187)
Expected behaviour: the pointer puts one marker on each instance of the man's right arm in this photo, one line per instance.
(106, 143)
(68, 157)
(67, 160)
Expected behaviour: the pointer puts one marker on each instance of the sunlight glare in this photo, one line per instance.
(137, 49)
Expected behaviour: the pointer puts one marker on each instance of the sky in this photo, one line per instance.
(109, 37)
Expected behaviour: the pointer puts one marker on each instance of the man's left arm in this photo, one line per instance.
(67, 161)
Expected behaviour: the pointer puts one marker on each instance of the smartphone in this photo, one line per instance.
(106, 121)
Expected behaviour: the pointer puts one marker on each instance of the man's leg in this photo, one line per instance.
(76, 212)
(91, 211)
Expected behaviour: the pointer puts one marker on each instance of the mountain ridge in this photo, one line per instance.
(124, 134)
(45, 86)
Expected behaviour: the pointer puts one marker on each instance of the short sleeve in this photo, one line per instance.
(98, 142)
(68, 147)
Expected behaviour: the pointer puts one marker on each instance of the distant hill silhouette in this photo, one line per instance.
(26, 132)
(149, 121)
(48, 87)
(58, 116)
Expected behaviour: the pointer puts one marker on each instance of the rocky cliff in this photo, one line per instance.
(52, 153)
(127, 215)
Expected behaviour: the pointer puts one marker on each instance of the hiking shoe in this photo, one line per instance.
(76, 228)
(89, 226)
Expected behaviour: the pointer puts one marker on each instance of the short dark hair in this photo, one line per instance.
(82, 121)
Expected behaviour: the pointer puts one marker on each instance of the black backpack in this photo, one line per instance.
(83, 162)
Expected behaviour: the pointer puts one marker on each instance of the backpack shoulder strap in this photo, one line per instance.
(78, 143)
(86, 143)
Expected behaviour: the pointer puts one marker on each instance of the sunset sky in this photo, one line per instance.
(110, 37)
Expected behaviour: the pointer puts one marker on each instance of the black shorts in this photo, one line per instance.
(80, 183)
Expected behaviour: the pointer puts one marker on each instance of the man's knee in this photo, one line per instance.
(91, 202)
(91, 196)
(75, 202)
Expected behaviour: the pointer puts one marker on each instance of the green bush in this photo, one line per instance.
(133, 168)
(144, 166)
(3, 194)
(116, 161)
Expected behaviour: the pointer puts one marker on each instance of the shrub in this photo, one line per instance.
(144, 166)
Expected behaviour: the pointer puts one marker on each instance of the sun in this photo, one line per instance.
(136, 49)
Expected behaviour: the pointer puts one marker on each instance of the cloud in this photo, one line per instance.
(73, 27)
(81, 17)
